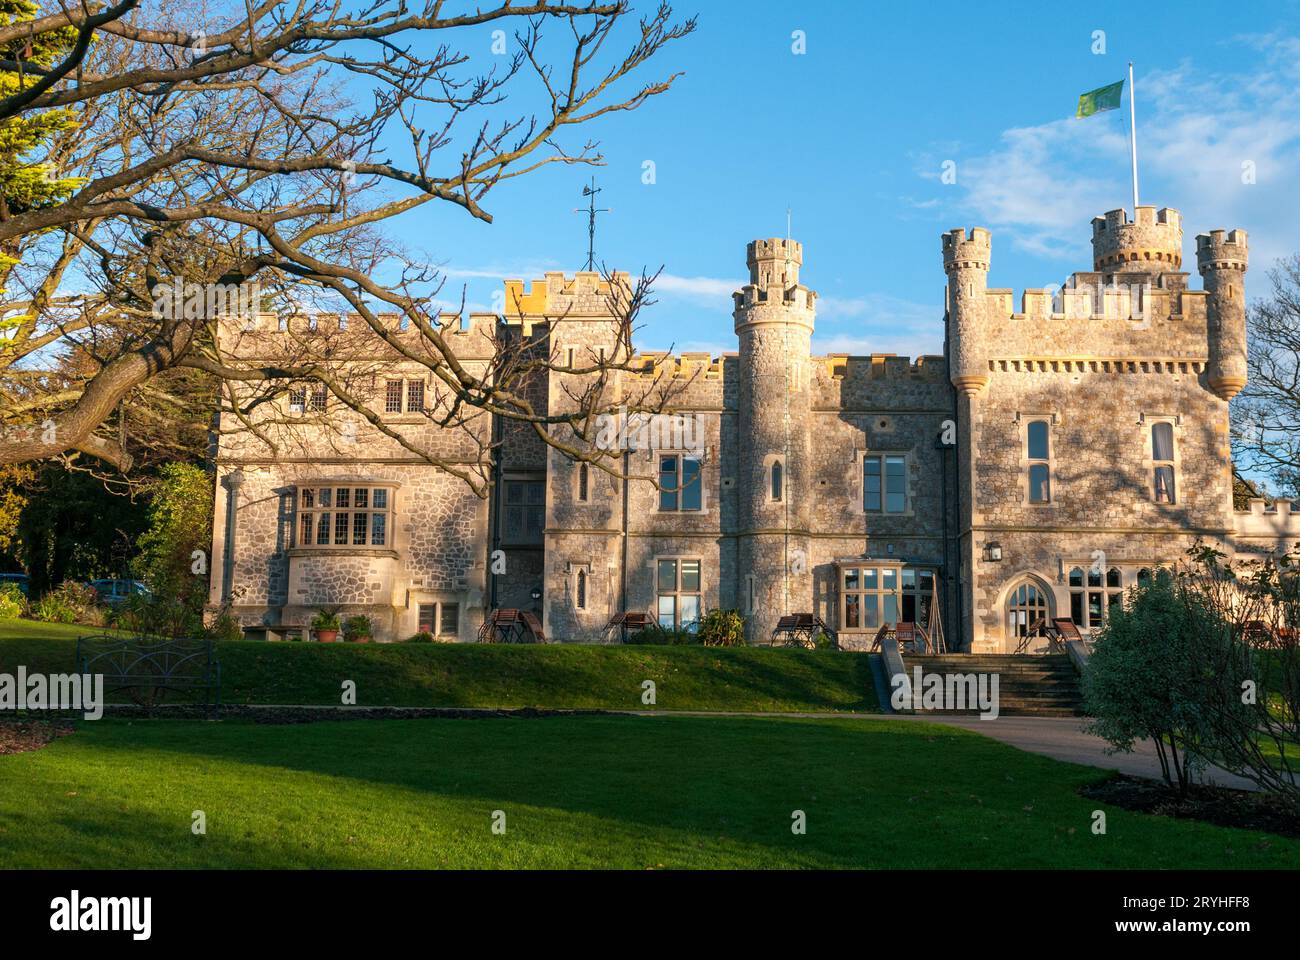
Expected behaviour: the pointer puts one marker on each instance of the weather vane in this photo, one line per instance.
(591, 211)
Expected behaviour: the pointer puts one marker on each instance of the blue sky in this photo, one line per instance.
(853, 134)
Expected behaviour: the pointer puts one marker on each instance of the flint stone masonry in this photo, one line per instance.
(1100, 358)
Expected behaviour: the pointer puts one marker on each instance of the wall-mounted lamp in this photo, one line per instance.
(993, 552)
(536, 594)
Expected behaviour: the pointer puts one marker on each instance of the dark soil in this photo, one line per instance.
(19, 736)
(1220, 806)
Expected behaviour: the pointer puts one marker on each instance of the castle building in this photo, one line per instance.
(1046, 461)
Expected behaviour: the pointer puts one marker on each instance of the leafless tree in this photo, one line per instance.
(1266, 416)
(259, 147)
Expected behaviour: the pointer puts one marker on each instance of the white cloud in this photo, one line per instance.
(1042, 185)
(708, 289)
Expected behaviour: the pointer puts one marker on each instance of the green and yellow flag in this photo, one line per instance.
(1103, 98)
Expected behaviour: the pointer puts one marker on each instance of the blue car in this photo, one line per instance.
(114, 593)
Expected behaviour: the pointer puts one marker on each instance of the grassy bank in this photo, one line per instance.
(474, 675)
(627, 792)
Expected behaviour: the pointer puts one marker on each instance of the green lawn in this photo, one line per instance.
(476, 675)
(626, 792)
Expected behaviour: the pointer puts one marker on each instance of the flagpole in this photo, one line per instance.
(1133, 138)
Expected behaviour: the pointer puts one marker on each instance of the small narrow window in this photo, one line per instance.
(1162, 454)
(1038, 455)
(583, 482)
(777, 490)
(581, 591)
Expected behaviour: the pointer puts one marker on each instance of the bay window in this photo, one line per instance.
(344, 516)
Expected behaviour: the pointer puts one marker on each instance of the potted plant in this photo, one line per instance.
(325, 625)
(357, 629)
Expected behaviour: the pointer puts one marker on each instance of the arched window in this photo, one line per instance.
(583, 482)
(777, 481)
(1027, 604)
(581, 591)
(1038, 454)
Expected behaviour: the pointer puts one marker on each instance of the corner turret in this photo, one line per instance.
(1222, 259)
(966, 262)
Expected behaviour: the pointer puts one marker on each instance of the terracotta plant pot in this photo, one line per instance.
(326, 636)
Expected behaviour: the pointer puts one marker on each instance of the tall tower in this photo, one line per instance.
(1222, 260)
(966, 262)
(774, 323)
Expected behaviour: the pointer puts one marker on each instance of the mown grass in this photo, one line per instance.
(624, 792)
(475, 675)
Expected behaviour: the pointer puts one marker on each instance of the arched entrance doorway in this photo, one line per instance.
(1028, 602)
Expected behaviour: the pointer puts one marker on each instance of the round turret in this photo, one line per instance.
(1222, 258)
(966, 259)
(1153, 243)
(774, 317)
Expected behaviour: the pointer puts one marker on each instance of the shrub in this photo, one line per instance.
(424, 636)
(159, 615)
(69, 602)
(722, 628)
(12, 602)
(357, 628)
(1153, 673)
(224, 627)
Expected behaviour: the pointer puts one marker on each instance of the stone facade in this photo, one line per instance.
(1041, 465)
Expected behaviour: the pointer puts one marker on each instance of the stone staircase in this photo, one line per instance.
(1038, 686)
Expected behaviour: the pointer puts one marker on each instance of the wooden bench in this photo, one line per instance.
(509, 625)
(146, 668)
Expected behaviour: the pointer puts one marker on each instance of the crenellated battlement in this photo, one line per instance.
(654, 364)
(1151, 243)
(881, 366)
(962, 250)
(1222, 250)
(272, 326)
(557, 296)
(774, 262)
(1279, 519)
